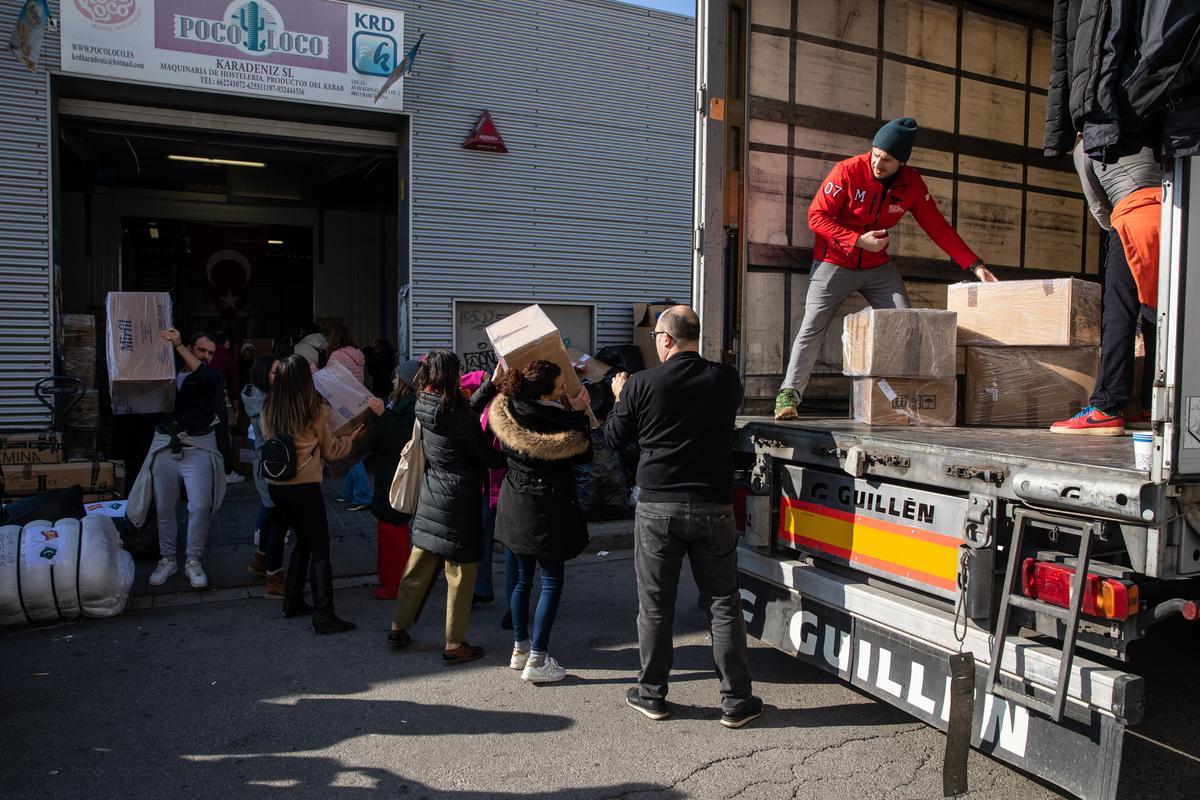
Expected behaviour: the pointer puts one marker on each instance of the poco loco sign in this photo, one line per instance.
(312, 51)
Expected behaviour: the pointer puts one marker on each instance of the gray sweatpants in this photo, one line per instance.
(704, 533)
(195, 470)
(828, 286)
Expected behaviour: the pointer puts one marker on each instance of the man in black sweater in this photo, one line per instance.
(681, 414)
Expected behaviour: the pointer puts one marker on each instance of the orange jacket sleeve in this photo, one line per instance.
(827, 206)
(927, 215)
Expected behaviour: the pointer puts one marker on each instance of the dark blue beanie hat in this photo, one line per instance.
(897, 138)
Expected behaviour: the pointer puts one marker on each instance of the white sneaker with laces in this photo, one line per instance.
(165, 569)
(195, 574)
(519, 659)
(235, 477)
(549, 671)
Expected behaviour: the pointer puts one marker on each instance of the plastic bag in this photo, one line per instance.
(601, 485)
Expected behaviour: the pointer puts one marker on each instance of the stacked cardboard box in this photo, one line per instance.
(645, 317)
(141, 364)
(902, 362)
(1032, 349)
(30, 448)
(94, 476)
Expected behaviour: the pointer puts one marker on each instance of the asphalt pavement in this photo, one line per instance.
(229, 700)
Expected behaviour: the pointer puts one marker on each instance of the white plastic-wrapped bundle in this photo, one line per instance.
(61, 570)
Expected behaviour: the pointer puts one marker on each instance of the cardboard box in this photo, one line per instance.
(899, 343)
(587, 367)
(31, 448)
(346, 395)
(93, 477)
(528, 336)
(960, 361)
(79, 348)
(645, 316)
(906, 401)
(141, 364)
(1029, 387)
(1063, 312)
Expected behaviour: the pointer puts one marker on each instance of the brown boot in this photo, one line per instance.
(259, 565)
(275, 585)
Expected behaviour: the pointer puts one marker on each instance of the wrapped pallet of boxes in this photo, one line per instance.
(141, 364)
(79, 348)
(527, 336)
(902, 363)
(1027, 387)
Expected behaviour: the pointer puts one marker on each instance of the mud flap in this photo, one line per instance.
(958, 728)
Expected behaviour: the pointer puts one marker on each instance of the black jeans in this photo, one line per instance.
(1117, 331)
(703, 532)
(303, 508)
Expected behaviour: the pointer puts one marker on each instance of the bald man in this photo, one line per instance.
(681, 414)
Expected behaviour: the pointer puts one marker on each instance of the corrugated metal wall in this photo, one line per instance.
(592, 203)
(25, 282)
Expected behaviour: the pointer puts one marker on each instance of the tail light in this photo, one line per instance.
(1102, 597)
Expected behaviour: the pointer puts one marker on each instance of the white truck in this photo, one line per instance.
(1060, 553)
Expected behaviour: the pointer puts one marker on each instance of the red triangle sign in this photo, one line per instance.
(485, 136)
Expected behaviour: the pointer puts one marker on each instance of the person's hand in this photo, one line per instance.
(376, 405)
(873, 241)
(618, 384)
(499, 373)
(984, 274)
(172, 336)
(580, 401)
(357, 432)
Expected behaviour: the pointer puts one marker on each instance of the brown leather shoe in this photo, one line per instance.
(398, 639)
(275, 585)
(462, 654)
(259, 564)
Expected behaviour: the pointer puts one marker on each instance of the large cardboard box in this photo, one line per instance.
(92, 476)
(31, 448)
(1063, 312)
(925, 402)
(899, 343)
(528, 336)
(1029, 387)
(645, 317)
(141, 364)
(590, 369)
(346, 395)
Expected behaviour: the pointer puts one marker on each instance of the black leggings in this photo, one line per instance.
(303, 506)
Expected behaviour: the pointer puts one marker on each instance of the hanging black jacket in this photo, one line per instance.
(1060, 129)
(449, 517)
(539, 513)
(1166, 79)
(395, 428)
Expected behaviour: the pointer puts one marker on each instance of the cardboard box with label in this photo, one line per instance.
(141, 364)
(590, 369)
(899, 343)
(346, 395)
(645, 316)
(906, 401)
(529, 336)
(1029, 387)
(31, 448)
(1062, 312)
(92, 476)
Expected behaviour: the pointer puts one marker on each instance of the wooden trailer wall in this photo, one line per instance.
(822, 75)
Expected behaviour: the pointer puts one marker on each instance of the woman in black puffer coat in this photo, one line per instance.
(447, 528)
(538, 516)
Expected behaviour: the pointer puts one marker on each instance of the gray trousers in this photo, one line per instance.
(828, 286)
(704, 532)
(195, 470)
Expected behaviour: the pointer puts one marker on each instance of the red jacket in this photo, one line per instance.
(851, 202)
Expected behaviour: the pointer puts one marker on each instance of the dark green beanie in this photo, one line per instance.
(897, 138)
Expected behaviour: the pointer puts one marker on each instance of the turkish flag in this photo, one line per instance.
(227, 256)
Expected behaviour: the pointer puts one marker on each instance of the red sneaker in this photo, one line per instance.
(1091, 422)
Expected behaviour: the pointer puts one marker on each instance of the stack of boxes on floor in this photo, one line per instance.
(79, 361)
(1031, 349)
(903, 365)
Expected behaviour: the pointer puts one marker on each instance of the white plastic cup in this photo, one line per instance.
(1143, 451)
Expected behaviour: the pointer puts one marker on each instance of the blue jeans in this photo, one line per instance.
(483, 581)
(547, 606)
(510, 576)
(356, 489)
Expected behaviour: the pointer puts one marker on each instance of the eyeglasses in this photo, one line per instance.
(661, 333)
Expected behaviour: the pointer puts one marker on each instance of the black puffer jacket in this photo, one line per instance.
(1060, 129)
(395, 428)
(449, 518)
(538, 513)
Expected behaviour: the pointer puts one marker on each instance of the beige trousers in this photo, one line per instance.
(420, 572)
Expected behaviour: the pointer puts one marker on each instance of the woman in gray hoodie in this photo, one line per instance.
(272, 528)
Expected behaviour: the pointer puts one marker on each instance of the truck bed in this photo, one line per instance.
(1011, 447)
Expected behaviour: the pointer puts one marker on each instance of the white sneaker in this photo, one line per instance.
(235, 477)
(549, 672)
(165, 569)
(195, 574)
(519, 659)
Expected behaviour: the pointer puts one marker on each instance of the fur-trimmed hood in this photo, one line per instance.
(557, 445)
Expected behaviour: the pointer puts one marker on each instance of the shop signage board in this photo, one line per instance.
(313, 51)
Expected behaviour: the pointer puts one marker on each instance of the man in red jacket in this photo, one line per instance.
(850, 216)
